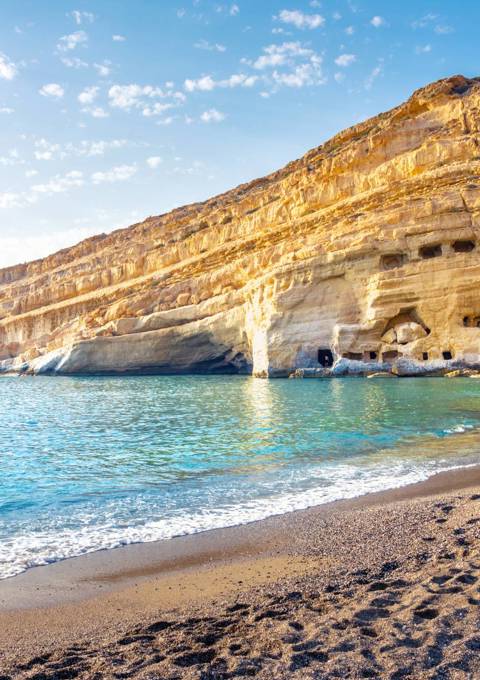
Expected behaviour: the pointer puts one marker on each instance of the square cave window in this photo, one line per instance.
(463, 246)
(373, 355)
(427, 252)
(425, 356)
(447, 355)
(389, 357)
(325, 357)
(354, 356)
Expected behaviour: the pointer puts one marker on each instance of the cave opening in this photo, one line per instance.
(447, 355)
(463, 246)
(373, 355)
(392, 260)
(354, 356)
(427, 252)
(389, 357)
(425, 356)
(325, 357)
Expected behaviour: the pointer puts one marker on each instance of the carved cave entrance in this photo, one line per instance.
(325, 358)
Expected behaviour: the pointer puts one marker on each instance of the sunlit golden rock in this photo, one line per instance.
(362, 256)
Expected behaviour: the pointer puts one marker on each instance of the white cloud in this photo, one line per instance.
(6, 109)
(304, 74)
(234, 10)
(118, 174)
(372, 76)
(300, 20)
(88, 95)
(8, 69)
(9, 199)
(59, 184)
(46, 151)
(345, 60)
(350, 30)
(12, 158)
(96, 112)
(212, 116)
(80, 17)
(276, 55)
(156, 109)
(73, 62)
(423, 49)
(428, 19)
(103, 69)
(299, 65)
(424, 21)
(118, 38)
(143, 97)
(211, 47)
(377, 21)
(52, 90)
(339, 77)
(443, 29)
(71, 41)
(31, 173)
(154, 161)
(207, 83)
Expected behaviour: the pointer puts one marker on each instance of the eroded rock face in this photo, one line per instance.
(366, 248)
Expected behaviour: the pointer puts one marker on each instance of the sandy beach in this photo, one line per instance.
(383, 586)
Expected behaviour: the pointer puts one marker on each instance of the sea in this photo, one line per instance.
(91, 463)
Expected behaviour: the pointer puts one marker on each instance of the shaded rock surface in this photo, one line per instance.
(367, 247)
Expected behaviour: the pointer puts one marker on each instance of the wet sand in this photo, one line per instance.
(383, 586)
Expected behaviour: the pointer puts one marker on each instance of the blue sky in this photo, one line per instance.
(114, 110)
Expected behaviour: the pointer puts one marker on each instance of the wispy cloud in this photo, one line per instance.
(211, 47)
(372, 76)
(294, 64)
(212, 116)
(88, 95)
(118, 38)
(8, 70)
(53, 90)
(154, 161)
(143, 97)
(377, 21)
(82, 17)
(431, 20)
(300, 20)
(344, 60)
(71, 41)
(207, 83)
(120, 173)
(104, 69)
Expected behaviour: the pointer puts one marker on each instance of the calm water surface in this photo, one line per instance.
(91, 463)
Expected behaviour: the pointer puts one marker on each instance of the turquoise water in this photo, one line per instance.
(91, 463)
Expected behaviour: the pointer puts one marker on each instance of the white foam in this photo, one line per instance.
(458, 429)
(34, 548)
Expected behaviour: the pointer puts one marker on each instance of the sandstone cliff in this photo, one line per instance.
(364, 254)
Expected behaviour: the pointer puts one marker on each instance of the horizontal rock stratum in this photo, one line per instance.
(364, 254)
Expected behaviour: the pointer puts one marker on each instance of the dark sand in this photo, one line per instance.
(384, 586)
